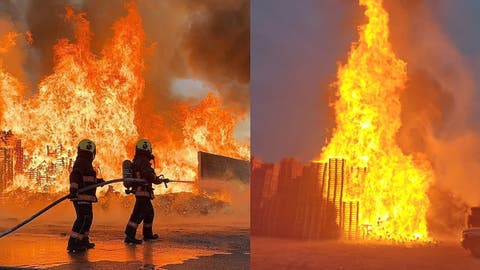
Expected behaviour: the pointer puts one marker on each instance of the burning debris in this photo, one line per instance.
(187, 204)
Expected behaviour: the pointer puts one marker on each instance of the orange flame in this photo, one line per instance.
(29, 37)
(91, 96)
(8, 41)
(392, 195)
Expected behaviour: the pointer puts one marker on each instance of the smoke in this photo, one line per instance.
(215, 47)
(235, 192)
(437, 105)
(45, 20)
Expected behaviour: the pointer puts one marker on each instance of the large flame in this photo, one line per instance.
(97, 96)
(392, 194)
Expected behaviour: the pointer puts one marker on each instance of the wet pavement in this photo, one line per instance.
(187, 246)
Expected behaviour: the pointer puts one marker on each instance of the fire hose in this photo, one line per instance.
(130, 180)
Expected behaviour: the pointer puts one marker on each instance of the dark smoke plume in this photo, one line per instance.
(215, 47)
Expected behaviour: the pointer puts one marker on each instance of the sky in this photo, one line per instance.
(296, 47)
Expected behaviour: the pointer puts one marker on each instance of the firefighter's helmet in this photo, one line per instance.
(87, 145)
(144, 145)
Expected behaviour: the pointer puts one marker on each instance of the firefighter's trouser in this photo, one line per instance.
(81, 226)
(142, 211)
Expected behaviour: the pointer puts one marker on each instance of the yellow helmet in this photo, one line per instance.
(87, 145)
(144, 145)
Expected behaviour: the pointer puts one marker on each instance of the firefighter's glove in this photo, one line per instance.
(157, 180)
(73, 195)
(164, 181)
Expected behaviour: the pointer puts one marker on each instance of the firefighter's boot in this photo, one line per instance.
(130, 236)
(87, 244)
(151, 237)
(75, 245)
(148, 234)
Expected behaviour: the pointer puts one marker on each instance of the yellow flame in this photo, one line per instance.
(392, 194)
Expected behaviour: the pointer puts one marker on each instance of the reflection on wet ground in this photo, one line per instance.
(234, 261)
(179, 248)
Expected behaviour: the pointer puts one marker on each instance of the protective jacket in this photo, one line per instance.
(143, 169)
(83, 175)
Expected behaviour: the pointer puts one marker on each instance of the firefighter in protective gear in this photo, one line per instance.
(83, 175)
(143, 209)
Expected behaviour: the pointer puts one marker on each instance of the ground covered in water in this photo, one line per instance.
(196, 232)
(179, 247)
